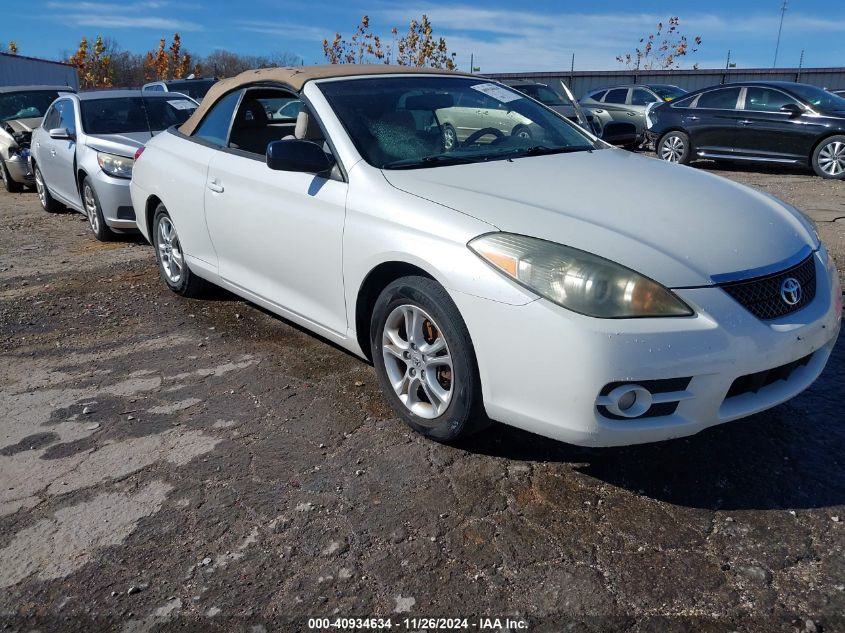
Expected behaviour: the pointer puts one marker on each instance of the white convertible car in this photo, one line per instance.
(535, 279)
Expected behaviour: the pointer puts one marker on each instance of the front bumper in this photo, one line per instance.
(115, 201)
(18, 166)
(544, 368)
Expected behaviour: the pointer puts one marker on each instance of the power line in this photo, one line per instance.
(780, 28)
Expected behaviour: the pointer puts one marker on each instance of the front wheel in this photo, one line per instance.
(8, 184)
(450, 138)
(674, 147)
(48, 202)
(171, 259)
(425, 360)
(94, 212)
(829, 158)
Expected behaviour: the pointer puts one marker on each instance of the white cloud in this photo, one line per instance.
(128, 15)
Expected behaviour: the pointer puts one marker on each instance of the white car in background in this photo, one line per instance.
(536, 280)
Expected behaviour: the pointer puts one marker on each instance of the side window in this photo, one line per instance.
(51, 119)
(154, 88)
(597, 96)
(67, 118)
(766, 99)
(255, 125)
(642, 97)
(617, 95)
(721, 99)
(215, 126)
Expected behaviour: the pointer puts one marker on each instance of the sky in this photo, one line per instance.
(502, 35)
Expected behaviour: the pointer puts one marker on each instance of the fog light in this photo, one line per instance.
(629, 401)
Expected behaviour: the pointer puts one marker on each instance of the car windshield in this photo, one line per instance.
(821, 99)
(30, 104)
(411, 122)
(668, 93)
(194, 88)
(119, 115)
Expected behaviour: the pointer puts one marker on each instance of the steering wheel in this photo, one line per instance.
(472, 138)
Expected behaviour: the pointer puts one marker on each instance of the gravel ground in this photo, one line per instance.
(168, 463)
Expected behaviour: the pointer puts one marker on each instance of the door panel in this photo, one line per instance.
(57, 155)
(279, 235)
(712, 123)
(767, 132)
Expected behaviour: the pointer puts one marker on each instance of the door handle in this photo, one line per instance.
(632, 114)
(215, 186)
(744, 122)
(693, 118)
(52, 152)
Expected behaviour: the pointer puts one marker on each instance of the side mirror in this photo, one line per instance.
(619, 133)
(60, 133)
(793, 109)
(298, 155)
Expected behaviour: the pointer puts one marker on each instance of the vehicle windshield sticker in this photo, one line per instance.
(182, 104)
(497, 92)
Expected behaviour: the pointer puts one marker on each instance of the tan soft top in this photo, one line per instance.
(295, 77)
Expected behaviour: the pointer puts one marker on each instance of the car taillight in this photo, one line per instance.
(138, 152)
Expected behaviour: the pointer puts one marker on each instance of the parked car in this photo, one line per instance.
(539, 282)
(196, 88)
(771, 122)
(21, 111)
(629, 103)
(616, 133)
(839, 93)
(83, 152)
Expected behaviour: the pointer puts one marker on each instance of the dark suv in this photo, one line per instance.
(771, 122)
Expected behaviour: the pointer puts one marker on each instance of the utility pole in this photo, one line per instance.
(572, 67)
(800, 66)
(728, 62)
(780, 28)
(471, 62)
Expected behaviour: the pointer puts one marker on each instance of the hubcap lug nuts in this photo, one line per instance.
(413, 371)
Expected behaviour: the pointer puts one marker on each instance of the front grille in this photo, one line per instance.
(752, 383)
(762, 296)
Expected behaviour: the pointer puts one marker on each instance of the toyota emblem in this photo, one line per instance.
(790, 291)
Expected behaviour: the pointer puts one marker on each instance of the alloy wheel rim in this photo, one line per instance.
(832, 158)
(170, 251)
(449, 138)
(39, 187)
(91, 209)
(418, 361)
(672, 149)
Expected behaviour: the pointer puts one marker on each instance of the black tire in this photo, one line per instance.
(94, 212)
(9, 185)
(674, 147)
(522, 131)
(450, 138)
(186, 283)
(463, 414)
(828, 160)
(48, 202)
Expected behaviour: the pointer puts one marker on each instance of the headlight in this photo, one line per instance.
(117, 166)
(577, 280)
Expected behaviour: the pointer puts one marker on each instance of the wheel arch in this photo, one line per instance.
(150, 207)
(374, 282)
(821, 140)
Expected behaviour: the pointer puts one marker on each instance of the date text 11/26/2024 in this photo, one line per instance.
(416, 624)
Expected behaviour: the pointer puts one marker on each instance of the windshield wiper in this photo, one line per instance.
(429, 161)
(542, 150)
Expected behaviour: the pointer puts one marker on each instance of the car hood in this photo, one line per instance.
(672, 223)
(24, 125)
(122, 144)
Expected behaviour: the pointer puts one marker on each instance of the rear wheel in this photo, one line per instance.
(425, 360)
(450, 138)
(94, 212)
(171, 259)
(829, 158)
(48, 202)
(8, 184)
(521, 131)
(674, 147)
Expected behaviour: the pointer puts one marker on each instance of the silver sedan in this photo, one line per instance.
(84, 151)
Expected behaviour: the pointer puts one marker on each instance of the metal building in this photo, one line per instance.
(581, 82)
(19, 70)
